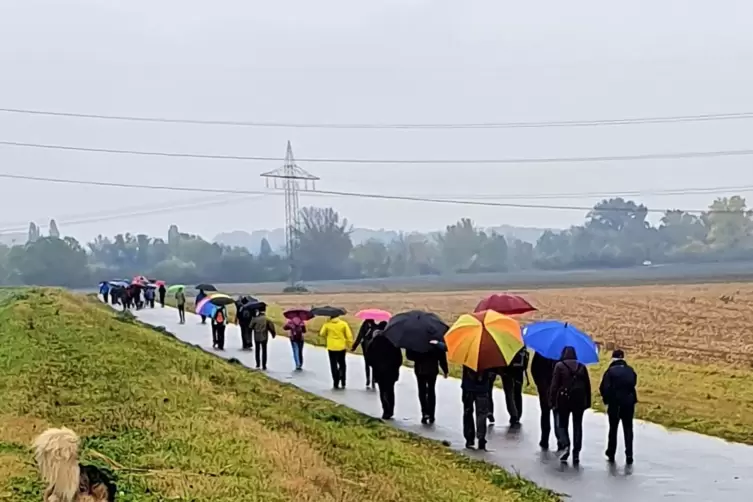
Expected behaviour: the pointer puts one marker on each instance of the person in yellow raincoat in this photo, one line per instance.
(339, 338)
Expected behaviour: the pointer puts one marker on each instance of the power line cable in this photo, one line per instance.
(522, 160)
(335, 193)
(163, 210)
(324, 125)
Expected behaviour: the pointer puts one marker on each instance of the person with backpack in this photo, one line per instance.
(570, 395)
(243, 318)
(426, 367)
(385, 360)
(512, 384)
(338, 337)
(365, 335)
(618, 391)
(297, 329)
(219, 321)
(475, 386)
(542, 370)
(261, 327)
(162, 292)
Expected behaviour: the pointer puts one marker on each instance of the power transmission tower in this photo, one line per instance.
(292, 179)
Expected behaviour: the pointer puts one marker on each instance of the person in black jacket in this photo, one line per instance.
(162, 292)
(570, 395)
(475, 386)
(512, 383)
(365, 335)
(618, 392)
(542, 370)
(385, 360)
(426, 366)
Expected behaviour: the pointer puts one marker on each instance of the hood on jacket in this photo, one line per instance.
(336, 321)
(568, 353)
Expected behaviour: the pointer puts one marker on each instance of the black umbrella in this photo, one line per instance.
(254, 306)
(206, 287)
(328, 311)
(415, 330)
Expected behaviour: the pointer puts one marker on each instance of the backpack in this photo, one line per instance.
(245, 314)
(572, 396)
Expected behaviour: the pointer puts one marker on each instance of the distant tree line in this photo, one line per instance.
(615, 233)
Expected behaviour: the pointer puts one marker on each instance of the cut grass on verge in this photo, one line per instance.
(176, 423)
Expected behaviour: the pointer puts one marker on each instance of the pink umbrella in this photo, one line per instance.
(374, 314)
(200, 305)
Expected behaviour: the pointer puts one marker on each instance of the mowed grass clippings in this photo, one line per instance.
(692, 345)
(173, 422)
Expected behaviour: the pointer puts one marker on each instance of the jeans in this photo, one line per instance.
(562, 421)
(475, 427)
(427, 394)
(617, 414)
(387, 397)
(261, 353)
(297, 347)
(337, 366)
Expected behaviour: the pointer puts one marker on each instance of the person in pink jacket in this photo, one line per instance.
(296, 329)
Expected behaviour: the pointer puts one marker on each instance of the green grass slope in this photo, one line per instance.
(174, 423)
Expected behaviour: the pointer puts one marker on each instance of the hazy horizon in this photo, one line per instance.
(390, 61)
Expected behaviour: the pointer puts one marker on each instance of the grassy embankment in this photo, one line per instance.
(713, 399)
(177, 423)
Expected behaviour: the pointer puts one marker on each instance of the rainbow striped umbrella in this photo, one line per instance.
(483, 340)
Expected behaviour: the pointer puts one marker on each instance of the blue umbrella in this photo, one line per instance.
(207, 309)
(548, 338)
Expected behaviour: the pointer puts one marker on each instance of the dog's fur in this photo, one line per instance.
(56, 452)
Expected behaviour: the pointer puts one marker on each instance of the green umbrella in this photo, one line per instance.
(175, 288)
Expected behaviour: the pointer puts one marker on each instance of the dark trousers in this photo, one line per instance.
(474, 427)
(387, 397)
(261, 353)
(162, 300)
(105, 296)
(617, 414)
(562, 423)
(546, 414)
(512, 384)
(219, 332)
(367, 368)
(246, 339)
(337, 366)
(182, 313)
(427, 395)
(151, 302)
(203, 319)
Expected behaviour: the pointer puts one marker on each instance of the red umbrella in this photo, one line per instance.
(302, 314)
(505, 304)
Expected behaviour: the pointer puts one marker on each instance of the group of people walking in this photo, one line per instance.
(136, 296)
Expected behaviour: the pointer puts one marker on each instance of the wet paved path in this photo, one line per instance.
(669, 465)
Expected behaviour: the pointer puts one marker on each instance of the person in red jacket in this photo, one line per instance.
(297, 329)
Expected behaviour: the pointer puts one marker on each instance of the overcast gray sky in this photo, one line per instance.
(418, 61)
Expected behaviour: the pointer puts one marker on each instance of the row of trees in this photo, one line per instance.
(616, 233)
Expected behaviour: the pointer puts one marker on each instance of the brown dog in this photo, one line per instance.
(56, 452)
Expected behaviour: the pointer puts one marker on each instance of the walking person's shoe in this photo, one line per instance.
(424, 420)
(629, 460)
(470, 445)
(336, 386)
(482, 445)
(491, 420)
(432, 420)
(576, 458)
(610, 457)
(368, 383)
(544, 444)
(564, 454)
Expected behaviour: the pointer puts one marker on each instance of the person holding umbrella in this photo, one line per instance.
(180, 300)
(570, 395)
(385, 360)
(296, 327)
(219, 321)
(200, 296)
(243, 318)
(542, 370)
(426, 367)
(339, 337)
(373, 320)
